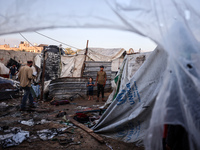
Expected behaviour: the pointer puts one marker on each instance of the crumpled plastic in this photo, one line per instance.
(48, 134)
(14, 137)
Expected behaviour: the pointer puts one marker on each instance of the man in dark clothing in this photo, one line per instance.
(13, 71)
(100, 82)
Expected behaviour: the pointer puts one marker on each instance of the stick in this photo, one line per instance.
(89, 131)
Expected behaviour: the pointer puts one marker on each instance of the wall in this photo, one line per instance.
(19, 56)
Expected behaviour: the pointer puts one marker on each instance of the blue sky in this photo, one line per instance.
(77, 37)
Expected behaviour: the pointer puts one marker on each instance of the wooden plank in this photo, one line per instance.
(89, 131)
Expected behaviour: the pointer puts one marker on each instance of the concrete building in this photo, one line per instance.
(23, 46)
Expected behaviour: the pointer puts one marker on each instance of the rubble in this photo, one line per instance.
(48, 134)
(49, 125)
(14, 137)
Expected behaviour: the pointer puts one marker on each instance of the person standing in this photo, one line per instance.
(100, 82)
(90, 86)
(13, 71)
(25, 76)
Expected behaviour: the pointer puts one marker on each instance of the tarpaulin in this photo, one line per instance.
(127, 118)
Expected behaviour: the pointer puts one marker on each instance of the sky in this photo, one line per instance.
(77, 37)
(96, 18)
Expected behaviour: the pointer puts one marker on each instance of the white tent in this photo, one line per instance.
(127, 118)
(115, 55)
(3, 69)
(173, 25)
(129, 66)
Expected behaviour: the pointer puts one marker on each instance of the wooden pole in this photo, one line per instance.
(88, 130)
(43, 73)
(86, 51)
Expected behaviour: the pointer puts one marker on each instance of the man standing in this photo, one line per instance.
(25, 77)
(13, 71)
(100, 82)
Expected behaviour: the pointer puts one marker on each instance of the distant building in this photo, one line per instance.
(23, 46)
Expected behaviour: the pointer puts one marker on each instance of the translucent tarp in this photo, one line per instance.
(172, 24)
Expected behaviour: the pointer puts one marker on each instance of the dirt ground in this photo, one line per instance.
(77, 137)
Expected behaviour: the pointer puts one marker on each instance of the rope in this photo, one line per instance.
(56, 40)
(28, 41)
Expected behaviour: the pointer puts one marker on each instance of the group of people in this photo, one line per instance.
(26, 75)
(100, 83)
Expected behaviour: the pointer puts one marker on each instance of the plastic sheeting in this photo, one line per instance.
(103, 54)
(172, 24)
(127, 118)
(129, 66)
(3, 69)
(72, 65)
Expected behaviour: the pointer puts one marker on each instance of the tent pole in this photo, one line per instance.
(86, 51)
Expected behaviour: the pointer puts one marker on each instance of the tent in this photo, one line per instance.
(173, 25)
(3, 69)
(129, 66)
(127, 118)
(115, 55)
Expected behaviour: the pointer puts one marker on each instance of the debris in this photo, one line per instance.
(43, 121)
(59, 102)
(89, 131)
(80, 107)
(14, 137)
(109, 146)
(81, 117)
(61, 114)
(48, 134)
(32, 123)
(65, 141)
(3, 104)
(92, 110)
(77, 143)
(28, 123)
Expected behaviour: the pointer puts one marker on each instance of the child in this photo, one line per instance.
(90, 86)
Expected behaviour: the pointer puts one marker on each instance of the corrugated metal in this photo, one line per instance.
(64, 88)
(91, 69)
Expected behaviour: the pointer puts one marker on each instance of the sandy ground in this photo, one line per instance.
(11, 117)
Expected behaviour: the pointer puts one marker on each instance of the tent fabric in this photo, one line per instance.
(103, 54)
(129, 66)
(72, 65)
(173, 25)
(115, 55)
(3, 69)
(127, 118)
